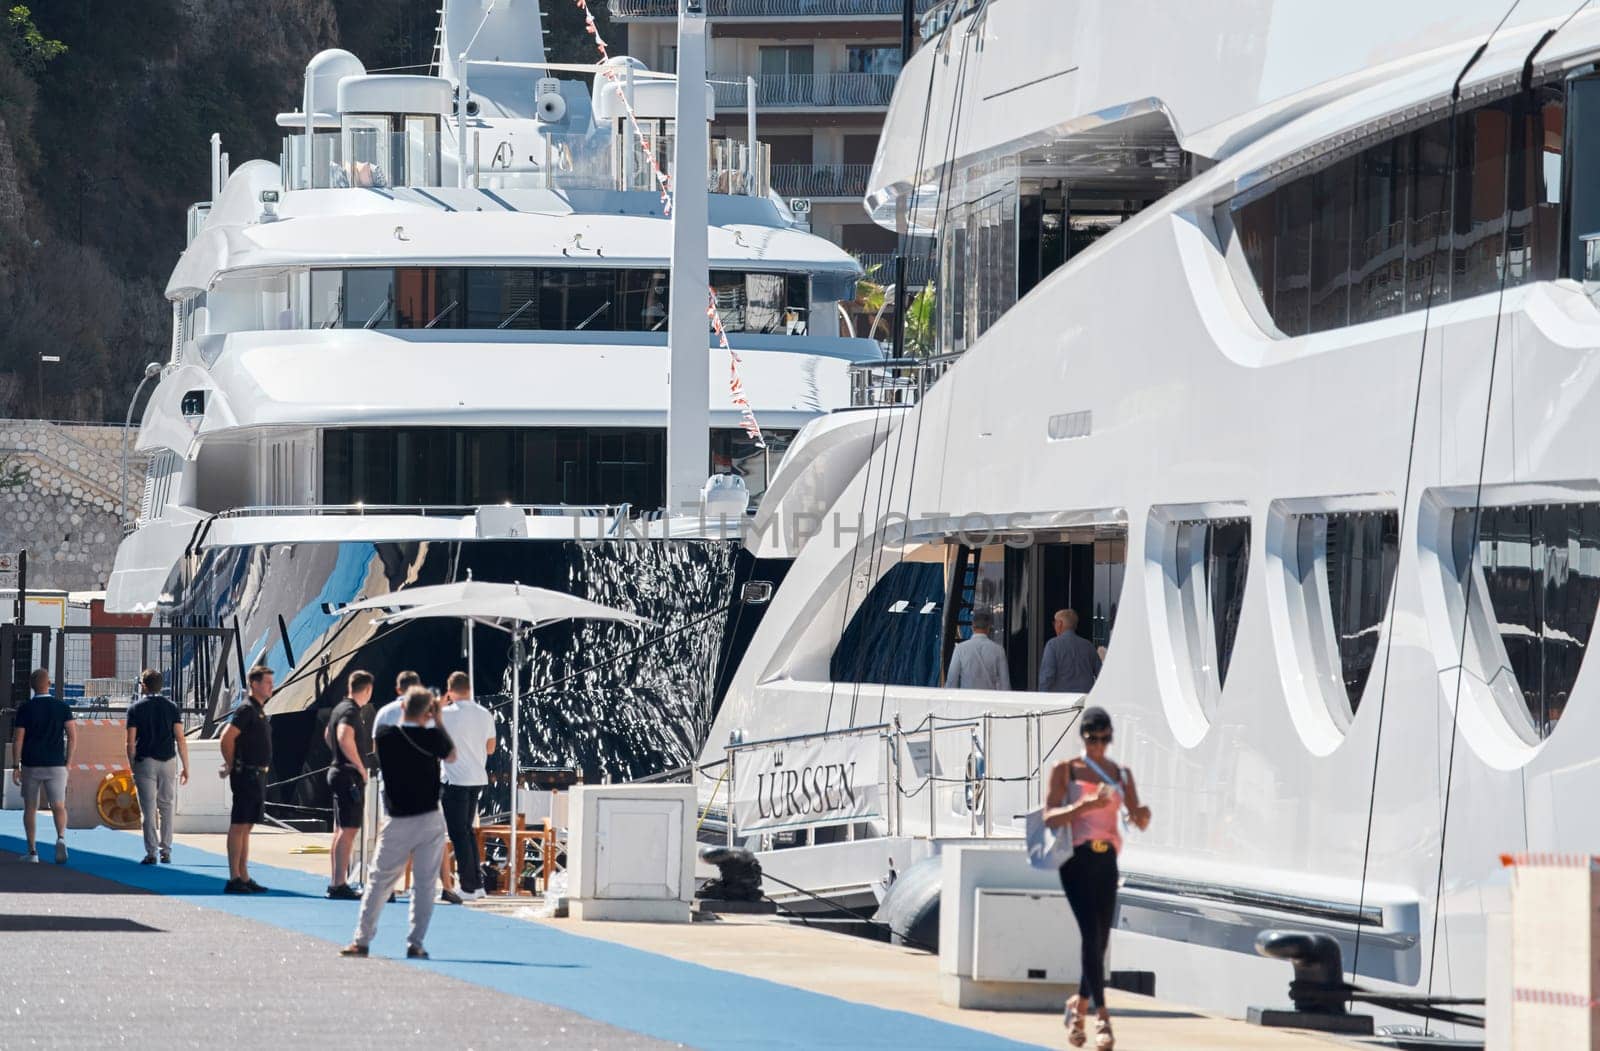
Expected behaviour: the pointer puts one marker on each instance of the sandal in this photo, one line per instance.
(1073, 1020)
(1104, 1039)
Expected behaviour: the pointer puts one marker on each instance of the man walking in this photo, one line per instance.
(350, 743)
(155, 739)
(471, 726)
(246, 756)
(1070, 663)
(408, 757)
(44, 741)
(979, 663)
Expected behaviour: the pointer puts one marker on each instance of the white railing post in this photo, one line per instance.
(216, 164)
(729, 797)
(750, 133)
(933, 810)
(899, 825)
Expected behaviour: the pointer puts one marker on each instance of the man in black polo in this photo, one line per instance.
(350, 743)
(44, 742)
(155, 740)
(246, 755)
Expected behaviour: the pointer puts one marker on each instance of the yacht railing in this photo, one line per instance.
(560, 160)
(421, 510)
(769, 8)
(895, 382)
(970, 776)
(936, 17)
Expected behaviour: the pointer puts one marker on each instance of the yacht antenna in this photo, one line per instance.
(689, 375)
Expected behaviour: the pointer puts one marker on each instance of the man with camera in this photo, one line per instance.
(408, 757)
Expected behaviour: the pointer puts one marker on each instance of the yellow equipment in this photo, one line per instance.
(118, 800)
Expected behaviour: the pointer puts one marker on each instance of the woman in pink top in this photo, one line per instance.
(1085, 795)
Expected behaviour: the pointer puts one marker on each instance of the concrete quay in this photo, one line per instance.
(123, 954)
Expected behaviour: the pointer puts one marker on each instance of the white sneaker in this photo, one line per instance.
(477, 895)
(61, 852)
(31, 857)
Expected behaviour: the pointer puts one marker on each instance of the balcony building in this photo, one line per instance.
(823, 74)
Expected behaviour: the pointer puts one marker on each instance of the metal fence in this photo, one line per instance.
(821, 180)
(96, 669)
(920, 268)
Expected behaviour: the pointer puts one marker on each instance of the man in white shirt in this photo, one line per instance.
(471, 726)
(979, 663)
(393, 713)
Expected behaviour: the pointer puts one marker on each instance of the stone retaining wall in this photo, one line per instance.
(60, 496)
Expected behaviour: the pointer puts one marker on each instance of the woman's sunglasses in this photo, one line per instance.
(1097, 738)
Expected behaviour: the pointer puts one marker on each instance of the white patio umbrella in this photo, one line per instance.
(507, 607)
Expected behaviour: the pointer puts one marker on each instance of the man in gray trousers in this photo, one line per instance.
(408, 756)
(155, 741)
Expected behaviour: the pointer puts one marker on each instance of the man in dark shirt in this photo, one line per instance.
(246, 755)
(408, 756)
(350, 743)
(155, 740)
(1070, 663)
(43, 745)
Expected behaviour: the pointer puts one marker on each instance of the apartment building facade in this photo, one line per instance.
(824, 72)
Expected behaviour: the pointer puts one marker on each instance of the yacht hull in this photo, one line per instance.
(614, 700)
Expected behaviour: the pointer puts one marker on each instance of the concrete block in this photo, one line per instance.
(203, 805)
(631, 853)
(1035, 926)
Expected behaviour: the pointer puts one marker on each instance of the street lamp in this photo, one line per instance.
(151, 371)
(45, 359)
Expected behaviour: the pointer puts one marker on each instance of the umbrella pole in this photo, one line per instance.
(472, 671)
(514, 862)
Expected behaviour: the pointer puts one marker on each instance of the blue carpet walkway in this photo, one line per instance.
(640, 991)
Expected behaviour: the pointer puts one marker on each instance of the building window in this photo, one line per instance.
(1540, 570)
(874, 58)
(1368, 236)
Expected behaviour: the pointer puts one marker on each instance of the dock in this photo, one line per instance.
(157, 954)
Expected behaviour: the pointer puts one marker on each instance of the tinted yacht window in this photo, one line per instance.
(1211, 562)
(551, 299)
(1431, 214)
(1346, 563)
(1540, 566)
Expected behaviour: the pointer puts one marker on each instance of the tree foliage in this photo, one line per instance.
(30, 48)
(107, 110)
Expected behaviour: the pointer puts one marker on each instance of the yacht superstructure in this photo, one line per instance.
(1277, 330)
(431, 341)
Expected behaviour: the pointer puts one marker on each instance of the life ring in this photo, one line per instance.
(118, 800)
(975, 780)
